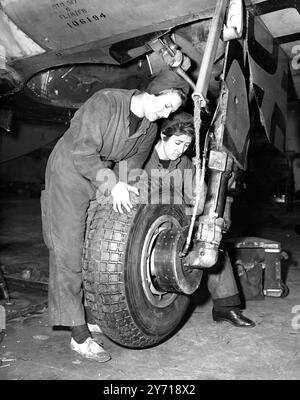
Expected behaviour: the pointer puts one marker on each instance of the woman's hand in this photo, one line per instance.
(121, 196)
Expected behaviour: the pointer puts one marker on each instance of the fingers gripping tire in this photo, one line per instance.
(117, 276)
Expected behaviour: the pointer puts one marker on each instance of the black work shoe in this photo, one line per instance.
(235, 317)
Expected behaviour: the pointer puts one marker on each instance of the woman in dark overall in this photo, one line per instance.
(168, 158)
(111, 126)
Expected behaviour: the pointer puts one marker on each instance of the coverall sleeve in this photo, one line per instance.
(91, 124)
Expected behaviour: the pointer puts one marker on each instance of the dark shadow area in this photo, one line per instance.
(22, 302)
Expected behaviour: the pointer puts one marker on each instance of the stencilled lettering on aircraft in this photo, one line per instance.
(69, 11)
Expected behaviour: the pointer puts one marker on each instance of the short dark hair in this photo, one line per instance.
(180, 128)
(180, 92)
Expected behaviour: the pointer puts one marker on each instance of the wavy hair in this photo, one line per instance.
(179, 128)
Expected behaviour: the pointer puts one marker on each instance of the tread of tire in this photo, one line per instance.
(103, 260)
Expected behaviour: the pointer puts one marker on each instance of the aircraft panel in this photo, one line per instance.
(269, 71)
(64, 24)
(282, 22)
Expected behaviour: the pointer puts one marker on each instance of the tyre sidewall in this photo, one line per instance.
(150, 319)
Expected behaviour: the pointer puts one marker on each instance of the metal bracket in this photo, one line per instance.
(170, 53)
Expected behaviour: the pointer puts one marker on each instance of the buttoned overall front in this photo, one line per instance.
(97, 138)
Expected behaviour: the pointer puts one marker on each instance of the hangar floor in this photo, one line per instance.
(200, 350)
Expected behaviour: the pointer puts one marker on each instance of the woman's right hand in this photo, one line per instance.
(121, 196)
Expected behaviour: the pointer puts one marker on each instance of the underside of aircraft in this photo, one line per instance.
(56, 54)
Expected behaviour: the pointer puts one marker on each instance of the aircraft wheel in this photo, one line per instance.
(118, 282)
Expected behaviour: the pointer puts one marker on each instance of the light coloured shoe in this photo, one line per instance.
(90, 349)
(94, 328)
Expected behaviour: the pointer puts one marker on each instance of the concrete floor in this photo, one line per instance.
(200, 350)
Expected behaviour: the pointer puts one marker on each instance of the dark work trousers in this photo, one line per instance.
(64, 204)
(221, 283)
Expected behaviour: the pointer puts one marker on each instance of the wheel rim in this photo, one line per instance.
(157, 298)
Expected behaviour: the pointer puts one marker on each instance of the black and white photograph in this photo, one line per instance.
(149, 193)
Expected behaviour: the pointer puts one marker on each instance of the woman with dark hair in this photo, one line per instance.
(169, 161)
(168, 155)
(112, 126)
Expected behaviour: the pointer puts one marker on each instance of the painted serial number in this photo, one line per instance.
(74, 17)
(86, 20)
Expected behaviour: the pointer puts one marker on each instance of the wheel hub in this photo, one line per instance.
(164, 275)
(158, 297)
(171, 273)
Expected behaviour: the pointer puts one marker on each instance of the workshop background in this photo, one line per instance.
(266, 207)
